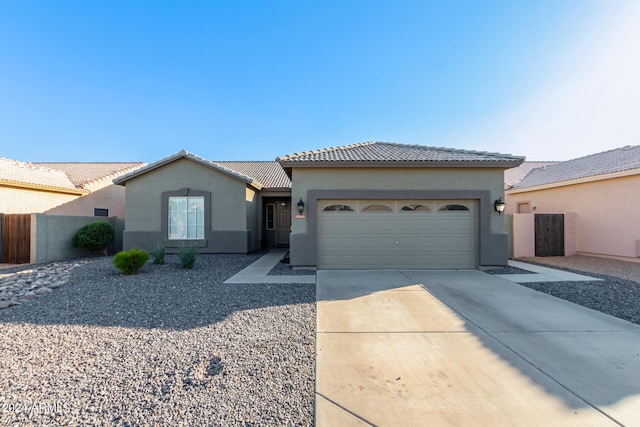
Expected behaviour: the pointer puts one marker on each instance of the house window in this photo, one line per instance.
(415, 208)
(271, 208)
(454, 208)
(335, 208)
(100, 212)
(186, 217)
(376, 208)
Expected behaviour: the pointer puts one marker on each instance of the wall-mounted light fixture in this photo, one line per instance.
(499, 205)
(300, 206)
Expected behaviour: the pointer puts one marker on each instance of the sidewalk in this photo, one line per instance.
(258, 272)
(543, 274)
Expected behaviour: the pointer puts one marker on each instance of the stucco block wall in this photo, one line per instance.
(228, 207)
(606, 213)
(110, 197)
(51, 236)
(402, 183)
(22, 201)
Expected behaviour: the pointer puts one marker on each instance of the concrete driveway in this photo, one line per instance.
(430, 348)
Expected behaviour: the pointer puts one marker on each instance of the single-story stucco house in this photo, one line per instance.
(368, 205)
(594, 198)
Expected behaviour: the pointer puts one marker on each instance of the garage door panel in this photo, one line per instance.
(394, 238)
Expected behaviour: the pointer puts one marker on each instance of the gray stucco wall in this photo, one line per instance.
(51, 236)
(481, 184)
(253, 219)
(227, 209)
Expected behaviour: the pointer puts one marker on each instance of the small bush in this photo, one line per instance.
(93, 237)
(158, 254)
(129, 262)
(188, 256)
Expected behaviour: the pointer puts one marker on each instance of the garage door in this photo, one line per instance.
(412, 234)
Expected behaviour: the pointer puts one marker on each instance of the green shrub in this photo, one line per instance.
(129, 262)
(188, 256)
(93, 237)
(158, 254)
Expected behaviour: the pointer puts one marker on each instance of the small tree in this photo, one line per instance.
(93, 237)
(129, 262)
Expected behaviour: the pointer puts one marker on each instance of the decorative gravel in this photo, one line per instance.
(165, 347)
(614, 296)
(284, 269)
(508, 270)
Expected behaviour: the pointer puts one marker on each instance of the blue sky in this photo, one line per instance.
(238, 80)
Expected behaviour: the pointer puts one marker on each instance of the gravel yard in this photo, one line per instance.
(617, 295)
(165, 347)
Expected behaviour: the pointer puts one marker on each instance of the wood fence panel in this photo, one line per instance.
(16, 238)
(549, 234)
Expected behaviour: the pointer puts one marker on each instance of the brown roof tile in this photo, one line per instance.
(14, 171)
(83, 174)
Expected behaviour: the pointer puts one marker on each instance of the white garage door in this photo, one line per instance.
(412, 234)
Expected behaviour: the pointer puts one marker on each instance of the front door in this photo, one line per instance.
(283, 229)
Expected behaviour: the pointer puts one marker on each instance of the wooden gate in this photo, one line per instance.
(16, 238)
(549, 229)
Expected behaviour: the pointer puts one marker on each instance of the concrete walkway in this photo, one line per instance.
(258, 272)
(543, 274)
(434, 348)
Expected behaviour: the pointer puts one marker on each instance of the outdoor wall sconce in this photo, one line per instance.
(499, 205)
(300, 206)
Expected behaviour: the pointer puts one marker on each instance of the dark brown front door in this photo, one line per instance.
(549, 230)
(283, 227)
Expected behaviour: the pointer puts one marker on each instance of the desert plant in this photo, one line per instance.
(94, 236)
(158, 254)
(187, 255)
(129, 262)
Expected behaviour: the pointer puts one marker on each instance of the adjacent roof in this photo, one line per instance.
(22, 174)
(83, 174)
(514, 175)
(392, 154)
(269, 173)
(259, 175)
(618, 160)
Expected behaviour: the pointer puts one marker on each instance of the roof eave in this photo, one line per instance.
(17, 184)
(183, 154)
(504, 164)
(584, 180)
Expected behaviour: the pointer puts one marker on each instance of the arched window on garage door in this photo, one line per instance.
(338, 208)
(376, 208)
(415, 208)
(454, 207)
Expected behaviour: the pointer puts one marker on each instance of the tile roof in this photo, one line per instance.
(29, 174)
(83, 174)
(607, 162)
(514, 175)
(258, 174)
(268, 173)
(387, 152)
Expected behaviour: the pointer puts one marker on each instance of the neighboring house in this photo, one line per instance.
(515, 175)
(599, 194)
(369, 205)
(78, 189)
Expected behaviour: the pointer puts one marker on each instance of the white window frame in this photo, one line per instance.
(192, 216)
